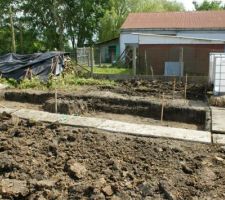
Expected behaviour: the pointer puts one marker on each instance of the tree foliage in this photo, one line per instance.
(119, 9)
(209, 5)
(54, 24)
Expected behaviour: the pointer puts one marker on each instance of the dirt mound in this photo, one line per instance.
(47, 161)
(157, 87)
(66, 106)
(217, 101)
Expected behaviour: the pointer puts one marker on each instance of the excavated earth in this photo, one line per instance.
(137, 98)
(48, 161)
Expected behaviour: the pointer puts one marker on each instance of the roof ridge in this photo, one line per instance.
(201, 11)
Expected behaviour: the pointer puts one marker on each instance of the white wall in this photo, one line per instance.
(206, 34)
(127, 38)
(164, 39)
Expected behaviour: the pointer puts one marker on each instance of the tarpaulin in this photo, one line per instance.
(39, 64)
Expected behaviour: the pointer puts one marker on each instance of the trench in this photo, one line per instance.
(78, 104)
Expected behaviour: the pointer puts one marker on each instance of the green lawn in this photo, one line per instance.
(110, 70)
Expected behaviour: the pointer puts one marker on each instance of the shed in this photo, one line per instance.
(173, 43)
(109, 50)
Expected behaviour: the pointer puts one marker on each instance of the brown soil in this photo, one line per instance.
(46, 161)
(65, 108)
(157, 87)
(142, 120)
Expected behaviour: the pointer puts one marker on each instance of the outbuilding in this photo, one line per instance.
(109, 50)
(173, 43)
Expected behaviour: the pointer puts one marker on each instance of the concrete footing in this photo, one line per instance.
(113, 126)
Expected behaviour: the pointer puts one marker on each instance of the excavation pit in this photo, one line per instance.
(113, 106)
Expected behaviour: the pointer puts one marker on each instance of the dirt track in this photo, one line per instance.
(41, 161)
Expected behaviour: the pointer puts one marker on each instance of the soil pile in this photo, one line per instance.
(47, 161)
(75, 107)
(157, 87)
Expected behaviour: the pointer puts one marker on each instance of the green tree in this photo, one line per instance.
(83, 19)
(208, 5)
(119, 9)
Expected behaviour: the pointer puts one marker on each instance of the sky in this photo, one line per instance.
(188, 3)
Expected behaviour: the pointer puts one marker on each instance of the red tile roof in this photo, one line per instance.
(176, 20)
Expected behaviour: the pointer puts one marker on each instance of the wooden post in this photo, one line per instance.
(174, 87)
(181, 60)
(134, 60)
(56, 100)
(185, 87)
(100, 57)
(88, 55)
(162, 109)
(152, 72)
(92, 63)
(146, 64)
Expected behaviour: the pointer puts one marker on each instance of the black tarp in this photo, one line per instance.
(39, 64)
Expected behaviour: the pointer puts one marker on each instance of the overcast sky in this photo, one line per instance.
(188, 3)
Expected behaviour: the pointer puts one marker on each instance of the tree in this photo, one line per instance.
(208, 5)
(83, 19)
(12, 30)
(119, 9)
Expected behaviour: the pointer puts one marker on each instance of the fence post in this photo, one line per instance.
(100, 57)
(146, 64)
(134, 60)
(92, 60)
(181, 60)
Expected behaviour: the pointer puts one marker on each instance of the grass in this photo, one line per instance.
(68, 82)
(110, 70)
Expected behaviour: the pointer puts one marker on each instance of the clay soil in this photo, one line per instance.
(48, 161)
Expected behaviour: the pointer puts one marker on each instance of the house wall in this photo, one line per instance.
(127, 37)
(203, 34)
(104, 49)
(195, 57)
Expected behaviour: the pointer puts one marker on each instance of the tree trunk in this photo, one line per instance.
(59, 22)
(12, 31)
(73, 42)
(21, 38)
(80, 40)
(61, 39)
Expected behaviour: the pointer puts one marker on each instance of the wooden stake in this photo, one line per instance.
(162, 109)
(56, 102)
(174, 86)
(185, 87)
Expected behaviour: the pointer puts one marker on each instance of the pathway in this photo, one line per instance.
(218, 125)
(113, 126)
